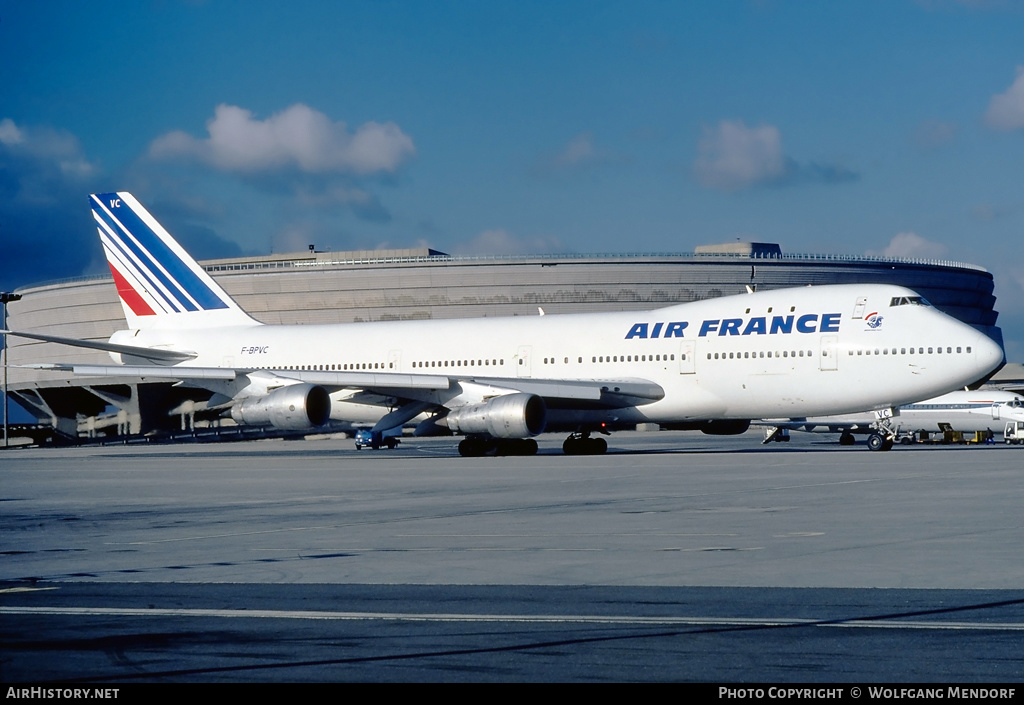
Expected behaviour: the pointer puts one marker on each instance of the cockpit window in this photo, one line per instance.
(908, 301)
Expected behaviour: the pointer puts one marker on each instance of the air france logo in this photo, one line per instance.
(873, 320)
(758, 325)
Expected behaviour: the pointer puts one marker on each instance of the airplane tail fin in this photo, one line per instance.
(159, 284)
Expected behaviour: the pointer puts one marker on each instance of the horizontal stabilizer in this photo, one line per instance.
(155, 354)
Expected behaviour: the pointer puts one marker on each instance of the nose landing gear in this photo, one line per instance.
(878, 441)
(882, 438)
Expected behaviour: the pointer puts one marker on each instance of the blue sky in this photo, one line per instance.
(479, 127)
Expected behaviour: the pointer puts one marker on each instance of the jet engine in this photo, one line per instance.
(295, 407)
(507, 416)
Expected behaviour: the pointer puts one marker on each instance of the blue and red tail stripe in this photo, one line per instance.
(132, 298)
(148, 259)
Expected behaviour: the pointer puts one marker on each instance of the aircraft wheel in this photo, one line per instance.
(846, 439)
(472, 448)
(878, 442)
(584, 446)
(515, 446)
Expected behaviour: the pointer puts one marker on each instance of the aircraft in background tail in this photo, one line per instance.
(710, 365)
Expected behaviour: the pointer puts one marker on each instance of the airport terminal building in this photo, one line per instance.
(386, 285)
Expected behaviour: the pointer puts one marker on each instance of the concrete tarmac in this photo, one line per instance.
(677, 556)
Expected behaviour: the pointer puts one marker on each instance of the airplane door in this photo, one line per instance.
(395, 360)
(523, 358)
(995, 411)
(829, 352)
(858, 309)
(687, 357)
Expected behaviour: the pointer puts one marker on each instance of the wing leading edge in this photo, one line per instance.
(598, 393)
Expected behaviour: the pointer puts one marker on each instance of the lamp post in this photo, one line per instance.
(5, 298)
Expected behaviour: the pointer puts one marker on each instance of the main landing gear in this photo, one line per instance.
(581, 443)
(478, 446)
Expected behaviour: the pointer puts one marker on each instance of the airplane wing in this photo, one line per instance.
(596, 393)
(336, 380)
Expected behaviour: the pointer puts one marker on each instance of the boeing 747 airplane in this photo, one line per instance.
(710, 365)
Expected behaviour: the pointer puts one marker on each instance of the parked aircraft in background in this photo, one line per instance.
(710, 365)
(965, 411)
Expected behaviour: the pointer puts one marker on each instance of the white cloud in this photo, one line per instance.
(1006, 110)
(733, 156)
(499, 241)
(911, 245)
(9, 132)
(297, 138)
(44, 180)
(47, 149)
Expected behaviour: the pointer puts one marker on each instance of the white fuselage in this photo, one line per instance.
(782, 353)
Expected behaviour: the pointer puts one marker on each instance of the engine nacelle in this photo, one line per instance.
(295, 408)
(508, 416)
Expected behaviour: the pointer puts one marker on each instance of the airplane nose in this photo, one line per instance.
(988, 354)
